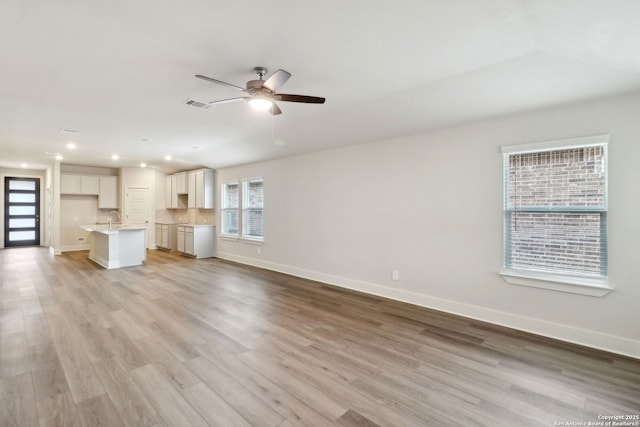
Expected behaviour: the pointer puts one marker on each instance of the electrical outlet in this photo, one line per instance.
(395, 275)
(259, 251)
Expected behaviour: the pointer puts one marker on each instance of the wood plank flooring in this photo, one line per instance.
(182, 342)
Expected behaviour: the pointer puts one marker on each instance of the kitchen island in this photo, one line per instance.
(117, 246)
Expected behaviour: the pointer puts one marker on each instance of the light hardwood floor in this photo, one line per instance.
(181, 342)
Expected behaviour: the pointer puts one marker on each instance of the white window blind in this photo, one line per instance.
(253, 209)
(230, 208)
(555, 206)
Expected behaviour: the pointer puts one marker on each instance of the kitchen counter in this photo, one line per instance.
(117, 246)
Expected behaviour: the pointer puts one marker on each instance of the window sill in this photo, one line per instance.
(594, 287)
(253, 240)
(230, 237)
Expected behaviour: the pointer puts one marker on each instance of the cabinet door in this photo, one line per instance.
(192, 188)
(181, 183)
(69, 184)
(204, 189)
(188, 241)
(108, 195)
(159, 235)
(180, 239)
(90, 185)
(165, 236)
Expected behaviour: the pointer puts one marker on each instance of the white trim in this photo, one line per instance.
(595, 287)
(559, 144)
(72, 248)
(252, 240)
(593, 339)
(230, 237)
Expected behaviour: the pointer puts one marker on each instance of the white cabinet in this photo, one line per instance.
(181, 183)
(166, 236)
(79, 184)
(90, 184)
(105, 187)
(180, 242)
(204, 185)
(196, 240)
(189, 244)
(178, 201)
(193, 189)
(69, 184)
(108, 192)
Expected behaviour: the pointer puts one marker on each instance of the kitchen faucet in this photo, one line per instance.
(110, 219)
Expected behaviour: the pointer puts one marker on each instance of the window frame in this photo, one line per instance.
(245, 208)
(585, 285)
(224, 208)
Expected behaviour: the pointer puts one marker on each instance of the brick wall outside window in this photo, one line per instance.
(555, 211)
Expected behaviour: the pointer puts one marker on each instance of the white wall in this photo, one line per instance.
(430, 206)
(77, 210)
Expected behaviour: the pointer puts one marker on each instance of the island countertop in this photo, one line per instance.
(115, 228)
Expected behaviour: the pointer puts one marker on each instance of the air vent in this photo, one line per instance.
(197, 104)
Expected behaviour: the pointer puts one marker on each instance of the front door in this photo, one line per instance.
(21, 211)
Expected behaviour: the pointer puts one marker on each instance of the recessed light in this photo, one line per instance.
(59, 157)
(24, 165)
(71, 146)
(143, 165)
(115, 157)
(167, 157)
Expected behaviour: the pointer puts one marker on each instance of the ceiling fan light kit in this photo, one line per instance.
(260, 104)
(261, 94)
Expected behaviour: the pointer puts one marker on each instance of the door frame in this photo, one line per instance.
(44, 236)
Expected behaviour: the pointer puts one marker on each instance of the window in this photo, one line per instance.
(555, 209)
(229, 209)
(242, 210)
(252, 209)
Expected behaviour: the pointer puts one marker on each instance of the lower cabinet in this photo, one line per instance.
(196, 240)
(166, 237)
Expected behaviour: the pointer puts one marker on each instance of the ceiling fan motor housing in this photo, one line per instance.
(256, 87)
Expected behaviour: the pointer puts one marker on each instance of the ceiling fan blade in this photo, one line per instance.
(209, 79)
(226, 101)
(275, 110)
(298, 98)
(276, 80)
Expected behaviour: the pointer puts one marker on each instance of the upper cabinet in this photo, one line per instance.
(204, 189)
(181, 183)
(198, 192)
(79, 184)
(108, 195)
(105, 187)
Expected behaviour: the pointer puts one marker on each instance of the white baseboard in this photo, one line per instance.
(614, 344)
(71, 248)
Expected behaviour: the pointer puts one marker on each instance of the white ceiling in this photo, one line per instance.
(119, 71)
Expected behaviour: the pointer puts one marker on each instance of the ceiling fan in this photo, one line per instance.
(261, 94)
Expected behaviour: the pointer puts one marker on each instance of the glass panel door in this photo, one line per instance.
(21, 211)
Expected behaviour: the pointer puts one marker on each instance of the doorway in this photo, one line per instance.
(21, 212)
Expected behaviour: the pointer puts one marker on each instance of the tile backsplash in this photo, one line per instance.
(190, 216)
